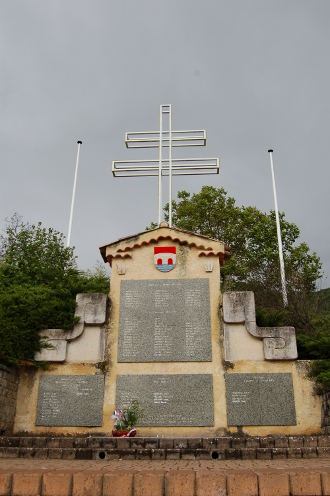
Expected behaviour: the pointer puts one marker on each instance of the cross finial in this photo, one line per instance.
(164, 139)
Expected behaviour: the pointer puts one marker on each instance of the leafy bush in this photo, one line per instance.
(266, 317)
(39, 280)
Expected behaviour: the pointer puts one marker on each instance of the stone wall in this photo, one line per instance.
(8, 394)
(326, 413)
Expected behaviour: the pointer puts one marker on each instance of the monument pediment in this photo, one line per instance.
(123, 247)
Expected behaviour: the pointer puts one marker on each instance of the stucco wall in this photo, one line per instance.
(189, 265)
(8, 392)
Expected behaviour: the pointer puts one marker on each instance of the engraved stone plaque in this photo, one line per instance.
(169, 400)
(164, 320)
(70, 400)
(260, 399)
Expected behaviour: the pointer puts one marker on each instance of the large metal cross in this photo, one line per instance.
(165, 166)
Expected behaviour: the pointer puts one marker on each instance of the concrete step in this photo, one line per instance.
(110, 448)
(53, 478)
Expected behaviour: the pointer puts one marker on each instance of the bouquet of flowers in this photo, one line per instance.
(126, 419)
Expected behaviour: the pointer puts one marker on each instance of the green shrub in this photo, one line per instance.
(39, 280)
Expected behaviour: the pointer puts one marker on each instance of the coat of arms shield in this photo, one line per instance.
(165, 258)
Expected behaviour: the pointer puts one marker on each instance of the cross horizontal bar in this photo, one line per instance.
(150, 139)
(134, 168)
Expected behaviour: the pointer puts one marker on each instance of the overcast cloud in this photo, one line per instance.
(254, 73)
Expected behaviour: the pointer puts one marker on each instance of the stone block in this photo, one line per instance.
(57, 352)
(118, 483)
(264, 453)
(112, 454)
(143, 454)
(274, 484)
(195, 443)
(323, 451)
(165, 443)
(87, 484)
(3, 441)
(310, 441)
(95, 306)
(252, 442)
(151, 443)
(249, 453)
(224, 442)
(95, 442)
(188, 454)
(26, 484)
(238, 442)
(5, 484)
(137, 443)
(210, 442)
(242, 484)
(279, 453)
(9, 452)
(66, 442)
(323, 440)
(202, 454)
(123, 443)
(55, 453)
(281, 442)
(81, 442)
(56, 484)
(267, 442)
(309, 452)
(233, 454)
(41, 453)
(210, 484)
(158, 454)
(83, 454)
(68, 453)
(180, 483)
(173, 454)
(149, 484)
(40, 442)
(294, 452)
(296, 442)
(13, 442)
(127, 454)
(180, 443)
(305, 484)
(53, 442)
(27, 452)
(109, 443)
(26, 442)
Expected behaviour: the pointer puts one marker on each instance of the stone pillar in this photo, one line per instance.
(326, 413)
(8, 394)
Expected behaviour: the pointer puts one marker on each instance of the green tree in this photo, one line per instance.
(251, 236)
(39, 280)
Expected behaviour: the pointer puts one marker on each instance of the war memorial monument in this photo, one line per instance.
(202, 370)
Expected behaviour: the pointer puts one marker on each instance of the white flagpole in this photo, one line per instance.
(160, 165)
(73, 194)
(170, 165)
(279, 237)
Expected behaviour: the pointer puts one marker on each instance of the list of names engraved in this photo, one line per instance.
(171, 399)
(164, 320)
(70, 400)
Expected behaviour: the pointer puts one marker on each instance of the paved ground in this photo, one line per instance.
(18, 464)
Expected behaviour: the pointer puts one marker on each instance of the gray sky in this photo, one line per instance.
(254, 73)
